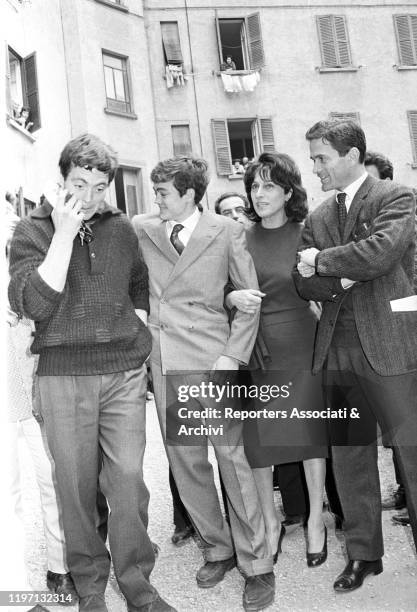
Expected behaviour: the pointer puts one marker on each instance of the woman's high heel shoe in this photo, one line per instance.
(316, 559)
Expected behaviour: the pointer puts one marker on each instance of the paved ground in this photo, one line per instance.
(298, 587)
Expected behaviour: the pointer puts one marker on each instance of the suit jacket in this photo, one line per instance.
(377, 250)
(189, 324)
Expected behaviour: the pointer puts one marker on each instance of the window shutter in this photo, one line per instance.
(342, 40)
(8, 92)
(32, 93)
(266, 132)
(346, 116)
(406, 31)
(181, 140)
(219, 39)
(222, 146)
(256, 48)
(171, 42)
(334, 41)
(412, 122)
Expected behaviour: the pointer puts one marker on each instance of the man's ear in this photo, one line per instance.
(353, 155)
(190, 193)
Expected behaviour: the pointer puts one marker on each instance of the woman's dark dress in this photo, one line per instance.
(288, 327)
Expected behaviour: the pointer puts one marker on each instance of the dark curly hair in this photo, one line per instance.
(341, 135)
(282, 170)
(186, 173)
(88, 151)
(382, 163)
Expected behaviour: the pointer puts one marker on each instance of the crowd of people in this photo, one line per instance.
(260, 293)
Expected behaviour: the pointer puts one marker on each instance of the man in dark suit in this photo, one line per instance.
(356, 256)
(191, 255)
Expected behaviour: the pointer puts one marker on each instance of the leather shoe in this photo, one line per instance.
(92, 603)
(316, 559)
(354, 574)
(213, 572)
(396, 501)
(62, 585)
(401, 519)
(182, 534)
(259, 592)
(157, 605)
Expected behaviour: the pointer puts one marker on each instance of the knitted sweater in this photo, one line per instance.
(91, 326)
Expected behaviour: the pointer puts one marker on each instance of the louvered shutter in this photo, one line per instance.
(266, 132)
(32, 93)
(406, 31)
(334, 41)
(171, 42)
(412, 122)
(255, 45)
(342, 40)
(222, 146)
(346, 116)
(327, 42)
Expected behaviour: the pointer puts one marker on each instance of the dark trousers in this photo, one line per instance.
(392, 402)
(88, 420)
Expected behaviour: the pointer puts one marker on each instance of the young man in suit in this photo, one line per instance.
(356, 256)
(191, 256)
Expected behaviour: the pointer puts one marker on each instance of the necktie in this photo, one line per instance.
(341, 210)
(175, 241)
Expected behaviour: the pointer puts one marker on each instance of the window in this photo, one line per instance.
(181, 139)
(171, 42)
(128, 188)
(22, 90)
(406, 31)
(116, 78)
(334, 41)
(237, 138)
(412, 122)
(241, 39)
(345, 116)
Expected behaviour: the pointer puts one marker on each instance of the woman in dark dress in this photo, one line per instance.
(288, 326)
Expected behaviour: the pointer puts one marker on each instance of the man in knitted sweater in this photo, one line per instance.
(76, 270)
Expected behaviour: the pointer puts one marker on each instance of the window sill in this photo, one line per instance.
(111, 111)
(235, 177)
(404, 67)
(236, 72)
(119, 7)
(20, 129)
(336, 69)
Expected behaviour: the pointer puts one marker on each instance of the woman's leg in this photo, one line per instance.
(315, 472)
(264, 485)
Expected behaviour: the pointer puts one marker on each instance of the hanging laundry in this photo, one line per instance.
(169, 78)
(250, 81)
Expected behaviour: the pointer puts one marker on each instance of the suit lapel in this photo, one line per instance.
(331, 220)
(158, 234)
(205, 232)
(356, 206)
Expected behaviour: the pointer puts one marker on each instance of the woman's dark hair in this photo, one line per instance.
(282, 170)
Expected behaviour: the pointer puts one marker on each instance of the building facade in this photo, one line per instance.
(89, 73)
(153, 78)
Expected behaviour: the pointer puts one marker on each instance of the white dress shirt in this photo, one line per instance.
(352, 189)
(189, 224)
